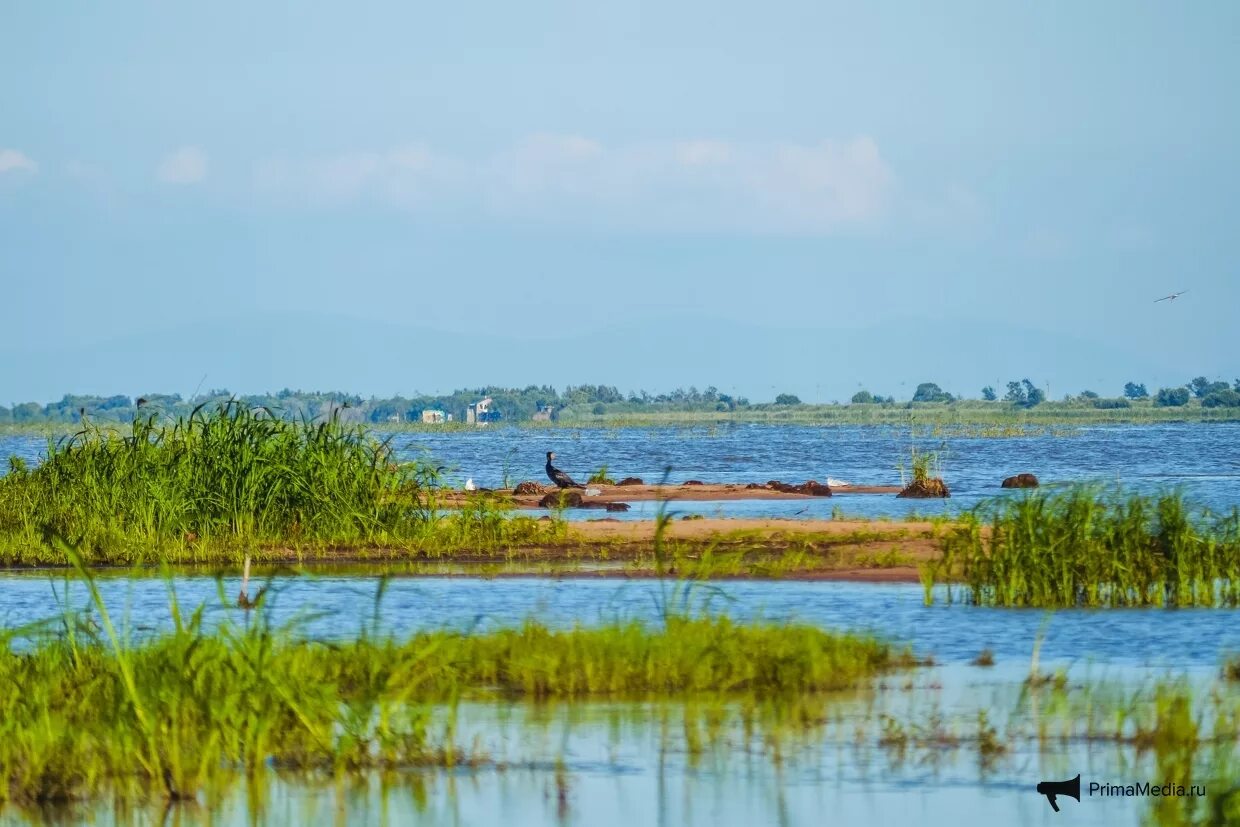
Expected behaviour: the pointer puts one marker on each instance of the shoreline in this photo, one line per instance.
(965, 414)
(718, 548)
(684, 492)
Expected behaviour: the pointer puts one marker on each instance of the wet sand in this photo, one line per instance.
(773, 530)
(858, 550)
(706, 492)
(701, 548)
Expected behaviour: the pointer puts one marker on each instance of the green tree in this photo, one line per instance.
(27, 412)
(1024, 394)
(1132, 390)
(930, 392)
(787, 399)
(1225, 398)
(1203, 387)
(1172, 397)
(988, 393)
(862, 398)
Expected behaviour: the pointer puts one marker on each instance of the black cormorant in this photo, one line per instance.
(557, 476)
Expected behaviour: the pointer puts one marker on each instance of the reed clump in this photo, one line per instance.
(926, 482)
(1085, 547)
(225, 481)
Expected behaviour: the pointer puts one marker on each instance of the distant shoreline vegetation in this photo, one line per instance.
(1022, 401)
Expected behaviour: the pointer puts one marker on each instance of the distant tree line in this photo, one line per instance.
(1212, 394)
(1024, 393)
(507, 404)
(520, 404)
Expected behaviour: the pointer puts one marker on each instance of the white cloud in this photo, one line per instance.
(545, 170)
(187, 165)
(13, 161)
(564, 178)
(824, 184)
(696, 185)
(550, 148)
(702, 153)
(400, 176)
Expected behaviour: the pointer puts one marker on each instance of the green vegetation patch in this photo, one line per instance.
(1083, 547)
(225, 479)
(182, 714)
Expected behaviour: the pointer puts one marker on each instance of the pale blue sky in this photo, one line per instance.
(389, 197)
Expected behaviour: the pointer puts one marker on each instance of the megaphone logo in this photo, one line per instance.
(1050, 789)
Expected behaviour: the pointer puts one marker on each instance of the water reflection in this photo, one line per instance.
(828, 760)
(334, 606)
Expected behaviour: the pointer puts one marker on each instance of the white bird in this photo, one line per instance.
(469, 485)
(1170, 298)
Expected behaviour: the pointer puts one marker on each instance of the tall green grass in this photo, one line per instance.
(1087, 547)
(229, 477)
(88, 711)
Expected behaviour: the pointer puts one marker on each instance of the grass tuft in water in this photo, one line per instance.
(181, 714)
(1083, 547)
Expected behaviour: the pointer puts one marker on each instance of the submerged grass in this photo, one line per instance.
(1084, 547)
(181, 714)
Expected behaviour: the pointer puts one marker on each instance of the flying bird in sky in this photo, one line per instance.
(1170, 298)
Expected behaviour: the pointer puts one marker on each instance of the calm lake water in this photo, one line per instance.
(334, 607)
(625, 765)
(1202, 459)
(630, 772)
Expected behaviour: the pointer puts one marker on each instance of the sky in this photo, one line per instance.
(793, 196)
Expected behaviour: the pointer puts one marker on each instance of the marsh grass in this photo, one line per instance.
(924, 466)
(1192, 733)
(600, 477)
(228, 473)
(182, 714)
(1083, 546)
(989, 419)
(231, 481)
(1172, 730)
